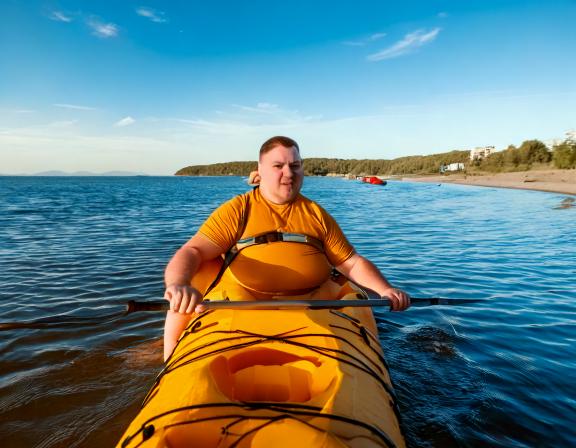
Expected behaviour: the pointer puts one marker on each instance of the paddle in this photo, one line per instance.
(63, 321)
(133, 306)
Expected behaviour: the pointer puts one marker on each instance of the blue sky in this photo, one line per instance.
(154, 86)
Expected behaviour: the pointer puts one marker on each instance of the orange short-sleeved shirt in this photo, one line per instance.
(278, 267)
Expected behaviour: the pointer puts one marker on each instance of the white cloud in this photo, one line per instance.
(267, 106)
(206, 127)
(362, 42)
(153, 15)
(409, 43)
(59, 16)
(442, 15)
(104, 30)
(260, 107)
(265, 118)
(126, 121)
(197, 122)
(266, 114)
(62, 124)
(73, 106)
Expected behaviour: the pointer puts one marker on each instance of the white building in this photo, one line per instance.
(481, 152)
(454, 167)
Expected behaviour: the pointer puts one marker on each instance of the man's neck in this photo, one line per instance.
(272, 201)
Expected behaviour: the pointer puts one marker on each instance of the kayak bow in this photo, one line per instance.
(272, 378)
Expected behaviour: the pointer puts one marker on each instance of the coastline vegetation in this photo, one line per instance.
(531, 154)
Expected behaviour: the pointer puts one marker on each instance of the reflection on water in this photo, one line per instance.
(494, 373)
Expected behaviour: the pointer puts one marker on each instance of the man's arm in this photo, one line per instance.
(184, 264)
(364, 273)
(182, 295)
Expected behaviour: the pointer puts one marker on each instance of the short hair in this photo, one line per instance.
(279, 140)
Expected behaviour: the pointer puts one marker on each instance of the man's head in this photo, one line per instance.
(280, 169)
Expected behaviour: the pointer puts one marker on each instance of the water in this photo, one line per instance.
(496, 373)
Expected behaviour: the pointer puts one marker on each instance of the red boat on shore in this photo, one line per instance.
(373, 180)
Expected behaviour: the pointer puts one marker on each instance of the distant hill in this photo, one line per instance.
(56, 173)
(323, 166)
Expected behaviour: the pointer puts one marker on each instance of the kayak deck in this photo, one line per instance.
(262, 378)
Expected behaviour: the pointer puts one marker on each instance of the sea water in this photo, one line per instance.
(498, 372)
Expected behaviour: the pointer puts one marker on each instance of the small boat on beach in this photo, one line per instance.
(373, 180)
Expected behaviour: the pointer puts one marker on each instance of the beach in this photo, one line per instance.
(552, 180)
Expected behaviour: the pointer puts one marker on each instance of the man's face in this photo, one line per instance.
(281, 174)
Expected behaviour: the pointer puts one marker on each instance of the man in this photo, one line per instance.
(249, 227)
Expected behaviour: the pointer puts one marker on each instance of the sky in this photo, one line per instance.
(154, 86)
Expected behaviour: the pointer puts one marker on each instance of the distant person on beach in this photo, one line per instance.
(248, 229)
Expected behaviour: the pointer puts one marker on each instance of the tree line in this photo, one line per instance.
(323, 166)
(529, 154)
(219, 169)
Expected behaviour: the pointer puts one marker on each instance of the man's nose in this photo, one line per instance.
(287, 171)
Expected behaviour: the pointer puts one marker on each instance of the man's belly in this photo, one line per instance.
(280, 268)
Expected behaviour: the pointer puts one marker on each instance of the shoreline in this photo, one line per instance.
(551, 180)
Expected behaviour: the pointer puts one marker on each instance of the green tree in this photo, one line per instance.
(564, 155)
(511, 156)
(533, 151)
(494, 163)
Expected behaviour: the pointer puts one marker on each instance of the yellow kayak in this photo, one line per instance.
(272, 378)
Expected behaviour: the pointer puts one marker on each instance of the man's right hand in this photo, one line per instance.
(183, 298)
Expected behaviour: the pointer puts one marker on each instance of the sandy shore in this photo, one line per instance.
(556, 181)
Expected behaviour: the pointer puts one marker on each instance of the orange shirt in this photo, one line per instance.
(278, 267)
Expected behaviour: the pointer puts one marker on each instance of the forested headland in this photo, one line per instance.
(529, 155)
